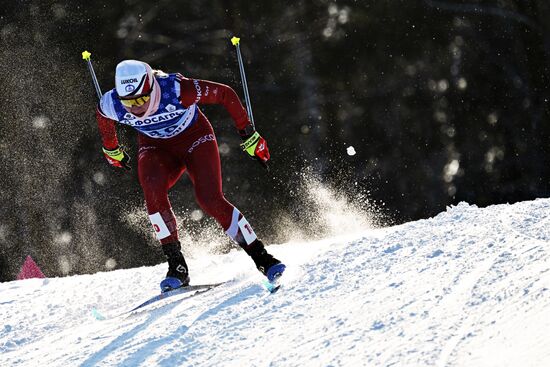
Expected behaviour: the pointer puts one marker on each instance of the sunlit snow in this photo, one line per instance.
(469, 287)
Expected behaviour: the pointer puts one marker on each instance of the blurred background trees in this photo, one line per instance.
(442, 102)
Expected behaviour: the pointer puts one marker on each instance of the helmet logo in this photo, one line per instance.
(129, 88)
(126, 81)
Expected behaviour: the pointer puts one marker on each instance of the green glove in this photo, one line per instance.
(117, 157)
(256, 147)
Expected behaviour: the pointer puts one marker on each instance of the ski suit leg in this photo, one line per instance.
(204, 169)
(158, 171)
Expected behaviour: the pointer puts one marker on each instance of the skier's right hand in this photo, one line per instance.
(117, 157)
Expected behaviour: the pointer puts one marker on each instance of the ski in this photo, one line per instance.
(199, 288)
(274, 285)
(194, 290)
(271, 287)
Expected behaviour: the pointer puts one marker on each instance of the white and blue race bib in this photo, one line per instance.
(170, 119)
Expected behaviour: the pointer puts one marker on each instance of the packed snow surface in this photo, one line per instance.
(469, 287)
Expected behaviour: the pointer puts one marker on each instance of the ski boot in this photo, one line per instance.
(178, 273)
(265, 263)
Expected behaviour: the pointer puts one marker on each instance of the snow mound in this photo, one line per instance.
(469, 287)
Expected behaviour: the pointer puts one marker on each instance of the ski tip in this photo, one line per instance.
(97, 315)
(274, 288)
(271, 287)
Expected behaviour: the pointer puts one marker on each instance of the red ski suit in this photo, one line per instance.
(161, 162)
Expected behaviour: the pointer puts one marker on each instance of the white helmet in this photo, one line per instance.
(133, 78)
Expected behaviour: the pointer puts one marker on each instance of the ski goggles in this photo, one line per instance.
(139, 101)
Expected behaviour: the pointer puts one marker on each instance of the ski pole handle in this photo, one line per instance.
(236, 42)
(86, 56)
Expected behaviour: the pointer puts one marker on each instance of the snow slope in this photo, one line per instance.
(469, 287)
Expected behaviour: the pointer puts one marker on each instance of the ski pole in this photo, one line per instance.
(86, 56)
(235, 41)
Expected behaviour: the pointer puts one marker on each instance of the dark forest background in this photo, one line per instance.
(442, 101)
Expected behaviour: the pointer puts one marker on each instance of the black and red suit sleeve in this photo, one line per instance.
(207, 92)
(107, 131)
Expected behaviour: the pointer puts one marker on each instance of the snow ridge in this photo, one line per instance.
(469, 287)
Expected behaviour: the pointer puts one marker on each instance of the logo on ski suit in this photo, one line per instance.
(199, 141)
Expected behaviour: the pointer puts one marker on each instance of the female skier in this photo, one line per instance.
(175, 136)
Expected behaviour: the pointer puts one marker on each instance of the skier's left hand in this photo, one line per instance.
(256, 147)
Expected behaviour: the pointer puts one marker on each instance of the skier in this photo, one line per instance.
(174, 136)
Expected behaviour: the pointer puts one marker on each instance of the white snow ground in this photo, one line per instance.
(469, 287)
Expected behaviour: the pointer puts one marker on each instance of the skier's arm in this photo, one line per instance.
(114, 154)
(106, 130)
(206, 92)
